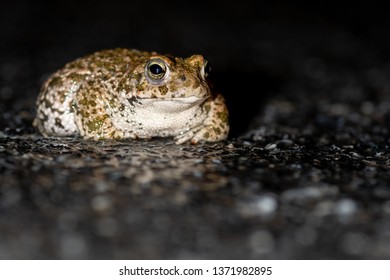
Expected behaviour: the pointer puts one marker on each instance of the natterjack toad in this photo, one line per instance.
(123, 93)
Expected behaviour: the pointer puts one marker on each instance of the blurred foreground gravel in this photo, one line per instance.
(304, 174)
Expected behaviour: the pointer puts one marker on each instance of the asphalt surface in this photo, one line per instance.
(303, 175)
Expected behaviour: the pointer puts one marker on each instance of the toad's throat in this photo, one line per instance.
(161, 117)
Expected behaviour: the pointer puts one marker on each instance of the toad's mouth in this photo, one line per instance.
(178, 103)
(183, 100)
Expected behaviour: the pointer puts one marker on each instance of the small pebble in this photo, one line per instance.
(264, 206)
(271, 146)
(345, 207)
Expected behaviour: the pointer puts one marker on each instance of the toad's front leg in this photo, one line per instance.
(214, 128)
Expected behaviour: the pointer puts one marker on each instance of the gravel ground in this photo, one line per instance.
(303, 175)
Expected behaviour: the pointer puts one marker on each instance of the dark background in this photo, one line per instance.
(303, 175)
(257, 46)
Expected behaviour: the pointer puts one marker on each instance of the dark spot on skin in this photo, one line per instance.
(58, 122)
(62, 96)
(73, 106)
(113, 103)
(97, 123)
(138, 77)
(217, 130)
(163, 89)
(173, 88)
(182, 78)
(140, 87)
(196, 83)
(48, 104)
(133, 100)
(84, 113)
(55, 82)
(124, 86)
(76, 77)
(223, 116)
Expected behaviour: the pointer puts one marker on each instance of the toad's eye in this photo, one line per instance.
(156, 70)
(206, 69)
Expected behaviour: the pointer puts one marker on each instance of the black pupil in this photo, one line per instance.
(156, 69)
